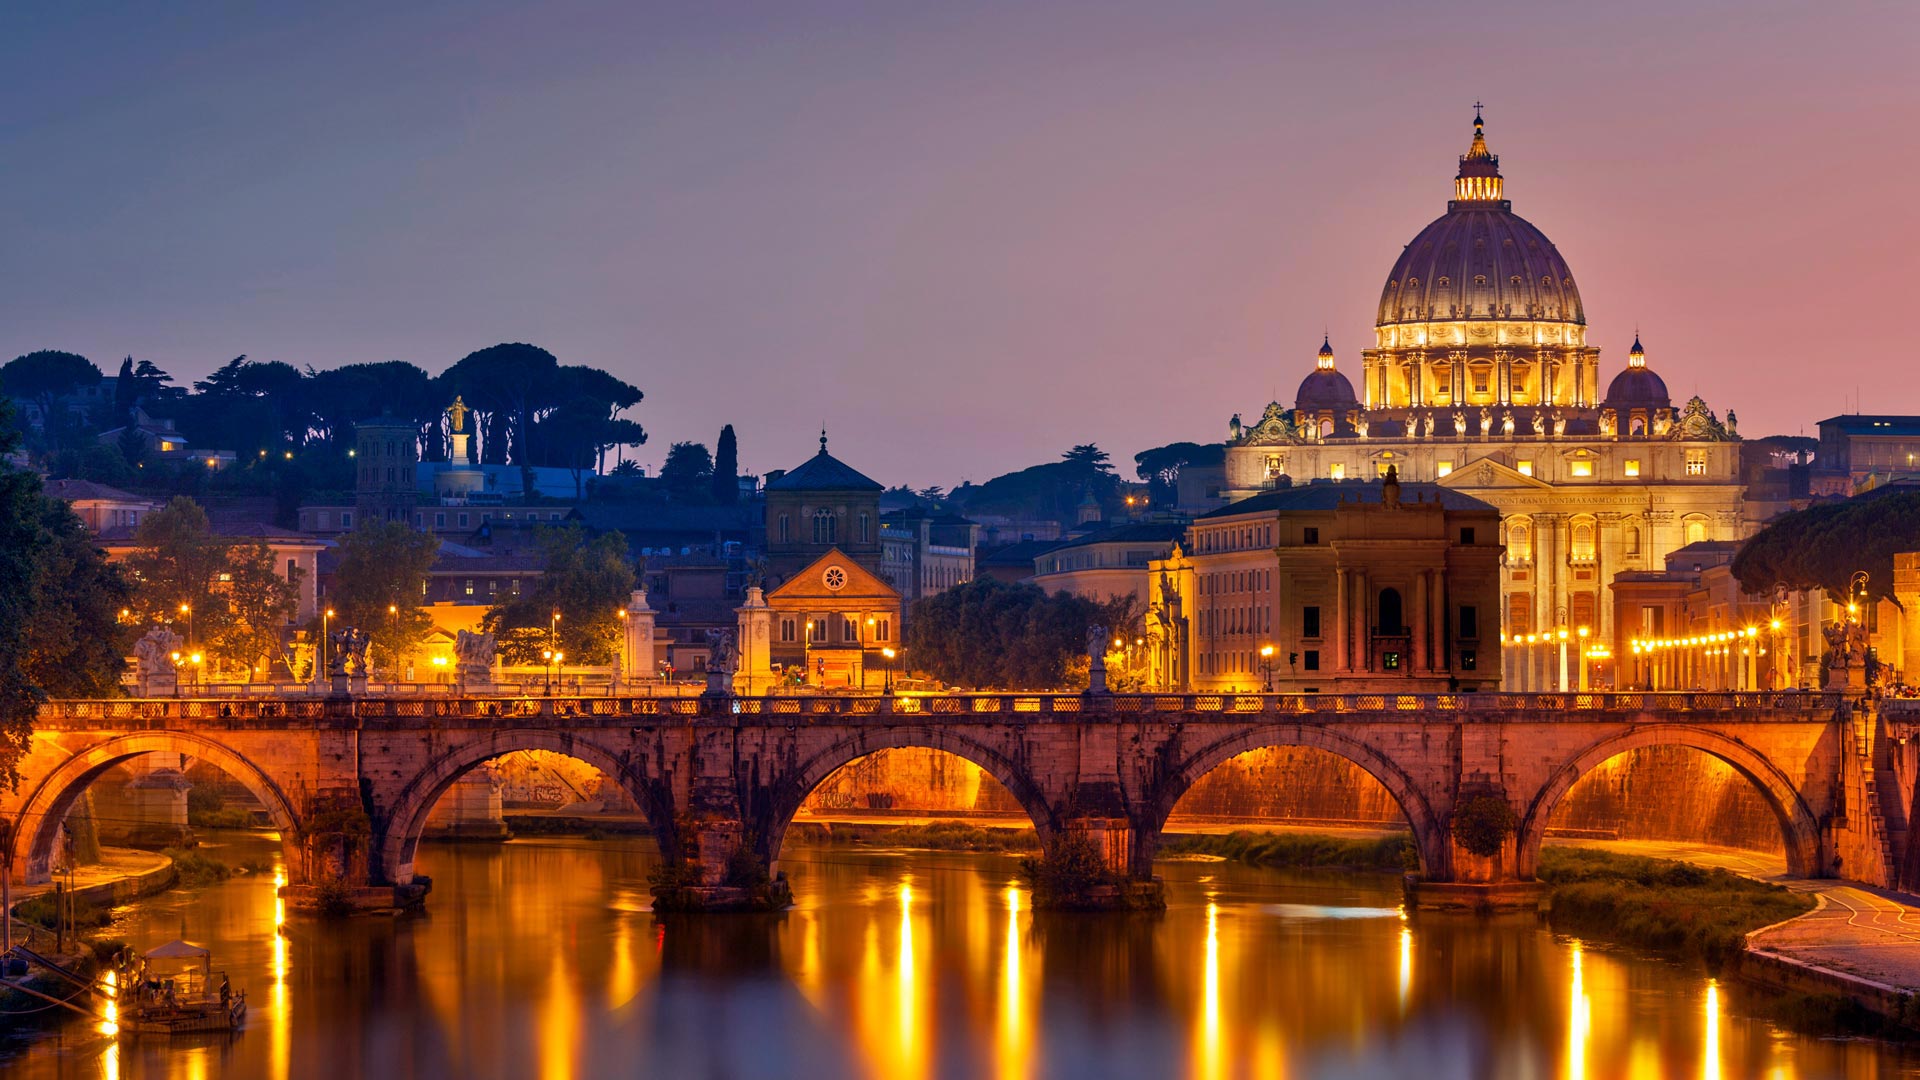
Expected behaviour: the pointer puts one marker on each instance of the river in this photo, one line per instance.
(540, 959)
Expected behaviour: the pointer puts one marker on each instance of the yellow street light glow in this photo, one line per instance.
(329, 613)
(1584, 631)
(1775, 624)
(1266, 650)
(888, 653)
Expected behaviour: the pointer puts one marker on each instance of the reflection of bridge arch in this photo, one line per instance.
(791, 791)
(1798, 828)
(408, 814)
(1428, 840)
(47, 805)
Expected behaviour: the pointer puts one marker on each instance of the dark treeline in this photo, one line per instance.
(528, 410)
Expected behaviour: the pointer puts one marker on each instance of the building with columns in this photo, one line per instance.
(1332, 587)
(1482, 379)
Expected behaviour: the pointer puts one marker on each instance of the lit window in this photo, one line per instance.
(1445, 468)
(1632, 467)
(469, 586)
(1581, 467)
(1337, 471)
(1525, 467)
(1696, 463)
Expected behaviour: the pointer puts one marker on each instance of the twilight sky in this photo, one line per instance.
(963, 235)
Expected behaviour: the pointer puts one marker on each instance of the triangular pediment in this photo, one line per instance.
(1485, 473)
(818, 581)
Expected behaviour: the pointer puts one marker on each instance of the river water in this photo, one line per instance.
(540, 959)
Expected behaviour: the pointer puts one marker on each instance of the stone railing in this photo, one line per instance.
(948, 708)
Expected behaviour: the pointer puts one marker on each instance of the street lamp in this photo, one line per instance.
(889, 654)
(620, 654)
(1266, 661)
(553, 647)
(187, 610)
(321, 672)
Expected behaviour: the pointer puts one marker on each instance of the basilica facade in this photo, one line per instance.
(1481, 379)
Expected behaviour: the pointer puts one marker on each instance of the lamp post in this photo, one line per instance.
(1266, 661)
(619, 655)
(888, 685)
(321, 672)
(553, 648)
(1583, 659)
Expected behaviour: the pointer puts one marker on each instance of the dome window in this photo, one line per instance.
(1479, 279)
(1413, 283)
(1444, 282)
(1515, 280)
(1547, 281)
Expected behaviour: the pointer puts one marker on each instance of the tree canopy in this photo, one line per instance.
(227, 598)
(988, 634)
(60, 630)
(1822, 546)
(1160, 466)
(687, 473)
(377, 585)
(587, 581)
(42, 377)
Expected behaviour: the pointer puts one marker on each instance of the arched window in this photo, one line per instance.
(1326, 429)
(1696, 527)
(1390, 611)
(1583, 542)
(823, 526)
(1519, 541)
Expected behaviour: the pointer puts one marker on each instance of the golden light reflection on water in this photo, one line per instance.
(559, 1023)
(1406, 963)
(110, 1026)
(1579, 1016)
(909, 989)
(1015, 1043)
(279, 1024)
(623, 976)
(1710, 1046)
(1209, 1061)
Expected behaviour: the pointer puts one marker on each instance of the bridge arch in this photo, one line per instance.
(786, 796)
(1799, 830)
(1429, 840)
(47, 805)
(407, 817)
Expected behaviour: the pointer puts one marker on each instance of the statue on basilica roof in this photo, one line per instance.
(1698, 424)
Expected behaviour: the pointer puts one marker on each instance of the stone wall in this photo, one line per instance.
(1668, 793)
(911, 778)
(1293, 784)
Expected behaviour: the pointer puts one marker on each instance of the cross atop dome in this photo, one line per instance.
(1478, 180)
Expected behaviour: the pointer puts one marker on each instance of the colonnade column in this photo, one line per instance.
(1420, 621)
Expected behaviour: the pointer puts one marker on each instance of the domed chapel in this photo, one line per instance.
(1481, 377)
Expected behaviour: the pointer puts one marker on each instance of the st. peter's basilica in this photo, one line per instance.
(1481, 378)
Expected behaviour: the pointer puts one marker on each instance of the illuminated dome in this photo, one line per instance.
(1325, 388)
(1637, 387)
(1479, 262)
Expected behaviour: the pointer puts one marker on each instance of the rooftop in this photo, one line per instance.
(1330, 494)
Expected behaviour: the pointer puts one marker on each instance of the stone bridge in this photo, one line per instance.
(350, 781)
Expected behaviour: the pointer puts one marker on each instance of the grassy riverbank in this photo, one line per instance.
(1674, 908)
(1299, 850)
(933, 836)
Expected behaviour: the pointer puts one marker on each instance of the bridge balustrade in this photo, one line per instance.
(304, 710)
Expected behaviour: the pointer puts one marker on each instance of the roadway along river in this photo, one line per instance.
(540, 959)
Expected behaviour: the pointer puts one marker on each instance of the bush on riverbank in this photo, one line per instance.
(1675, 908)
(1394, 853)
(197, 869)
(42, 911)
(935, 836)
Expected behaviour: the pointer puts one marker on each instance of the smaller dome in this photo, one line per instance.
(1325, 389)
(1637, 387)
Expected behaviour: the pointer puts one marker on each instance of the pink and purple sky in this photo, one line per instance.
(964, 236)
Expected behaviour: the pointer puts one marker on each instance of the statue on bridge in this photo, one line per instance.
(473, 658)
(1846, 655)
(154, 664)
(349, 651)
